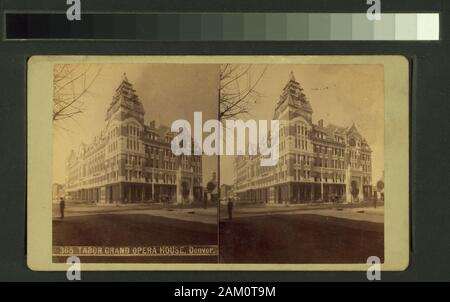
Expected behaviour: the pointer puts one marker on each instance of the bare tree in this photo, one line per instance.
(237, 89)
(71, 83)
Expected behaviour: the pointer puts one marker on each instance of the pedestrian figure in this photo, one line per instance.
(62, 205)
(230, 208)
(205, 202)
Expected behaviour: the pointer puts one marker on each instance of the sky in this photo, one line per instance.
(167, 91)
(338, 94)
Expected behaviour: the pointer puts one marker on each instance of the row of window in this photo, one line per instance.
(95, 165)
(98, 165)
(339, 139)
(115, 132)
(326, 179)
(365, 156)
(301, 174)
(133, 144)
(133, 175)
(164, 164)
(159, 151)
(366, 168)
(367, 180)
(74, 174)
(320, 135)
(96, 180)
(150, 177)
(326, 163)
(301, 143)
(329, 150)
(264, 181)
(133, 131)
(301, 130)
(302, 159)
(113, 146)
(305, 175)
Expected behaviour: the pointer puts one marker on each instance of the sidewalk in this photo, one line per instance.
(208, 216)
(359, 214)
(265, 208)
(194, 214)
(351, 211)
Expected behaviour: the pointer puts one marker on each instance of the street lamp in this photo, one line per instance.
(211, 186)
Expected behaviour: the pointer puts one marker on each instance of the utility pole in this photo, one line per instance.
(321, 180)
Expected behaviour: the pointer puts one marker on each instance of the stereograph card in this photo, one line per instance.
(282, 163)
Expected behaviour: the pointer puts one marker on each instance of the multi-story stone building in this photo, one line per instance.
(57, 192)
(132, 161)
(226, 191)
(317, 162)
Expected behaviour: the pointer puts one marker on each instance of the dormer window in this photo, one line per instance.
(352, 142)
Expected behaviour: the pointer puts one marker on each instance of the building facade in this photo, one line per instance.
(132, 161)
(316, 163)
(57, 192)
(226, 191)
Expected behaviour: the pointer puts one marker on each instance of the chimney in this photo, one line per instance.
(320, 123)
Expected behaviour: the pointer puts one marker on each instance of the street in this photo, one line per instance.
(299, 238)
(131, 226)
(256, 234)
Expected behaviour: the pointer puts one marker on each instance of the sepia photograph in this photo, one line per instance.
(119, 192)
(218, 163)
(323, 200)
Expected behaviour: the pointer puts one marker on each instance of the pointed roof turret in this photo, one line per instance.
(353, 128)
(126, 97)
(292, 95)
(353, 131)
(292, 77)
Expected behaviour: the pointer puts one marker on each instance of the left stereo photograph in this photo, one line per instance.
(119, 193)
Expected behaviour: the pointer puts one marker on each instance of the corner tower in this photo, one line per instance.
(125, 103)
(293, 102)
